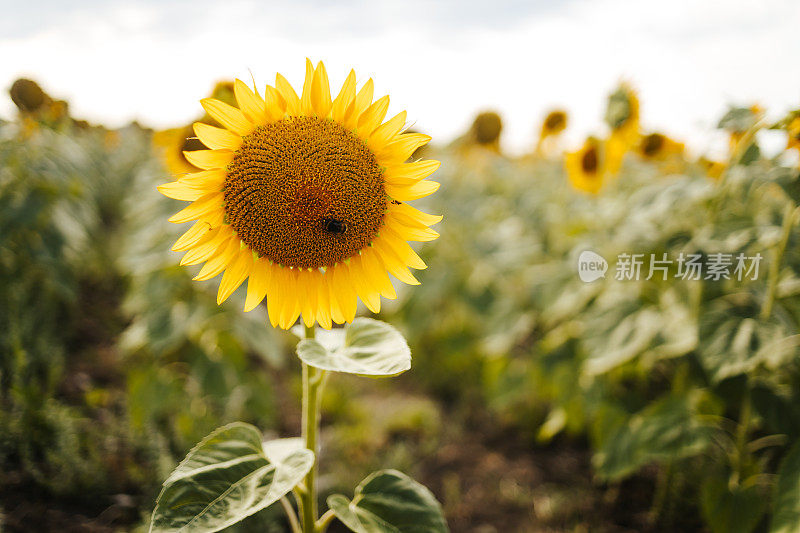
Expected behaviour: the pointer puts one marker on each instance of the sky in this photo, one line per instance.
(442, 61)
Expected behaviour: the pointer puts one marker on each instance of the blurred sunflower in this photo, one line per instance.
(486, 130)
(553, 124)
(586, 167)
(738, 121)
(305, 196)
(713, 169)
(172, 143)
(659, 146)
(622, 116)
(793, 132)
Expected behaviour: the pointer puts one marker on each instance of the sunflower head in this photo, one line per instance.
(486, 128)
(658, 146)
(586, 167)
(622, 109)
(554, 123)
(305, 196)
(28, 96)
(793, 132)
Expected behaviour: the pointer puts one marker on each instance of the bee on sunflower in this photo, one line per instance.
(305, 197)
(586, 168)
(622, 117)
(553, 124)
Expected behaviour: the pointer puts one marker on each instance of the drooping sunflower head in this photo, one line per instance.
(27, 95)
(554, 123)
(586, 167)
(622, 111)
(486, 128)
(657, 146)
(305, 197)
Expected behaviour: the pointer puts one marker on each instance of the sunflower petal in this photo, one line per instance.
(227, 115)
(199, 231)
(218, 261)
(327, 285)
(206, 250)
(401, 148)
(205, 179)
(346, 95)
(411, 232)
(386, 131)
(344, 292)
(401, 248)
(199, 207)
(321, 92)
(288, 94)
(216, 138)
(275, 297)
(372, 117)
(178, 191)
(291, 303)
(362, 100)
(421, 189)
(275, 103)
(251, 105)
(414, 214)
(409, 173)
(309, 296)
(370, 297)
(376, 272)
(394, 264)
(322, 293)
(258, 284)
(235, 274)
(209, 159)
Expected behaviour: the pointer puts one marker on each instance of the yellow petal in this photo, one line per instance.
(362, 100)
(345, 97)
(288, 94)
(291, 303)
(414, 214)
(376, 273)
(420, 189)
(385, 132)
(217, 138)
(199, 231)
(305, 98)
(400, 149)
(258, 283)
(228, 116)
(206, 250)
(406, 174)
(394, 264)
(275, 103)
(401, 248)
(179, 191)
(309, 295)
(327, 285)
(235, 274)
(321, 92)
(411, 233)
(205, 179)
(344, 292)
(277, 288)
(369, 296)
(251, 105)
(209, 159)
(322, 297)
(219, 261)
(199, 207)
(372, 117)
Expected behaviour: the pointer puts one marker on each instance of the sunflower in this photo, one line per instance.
(657, 146)
(305, 197)
(713, 169)
(172, 143)
(586, 167)
(793, 131)
(622, 116)
(554, 123)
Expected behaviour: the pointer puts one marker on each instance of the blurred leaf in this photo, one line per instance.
(786, 517)
(226, 478)
(666, 430)
(369, 348)
(388, 501)
(731, 509)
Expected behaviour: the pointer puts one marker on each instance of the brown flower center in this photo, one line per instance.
(589, 160)
(305, 192)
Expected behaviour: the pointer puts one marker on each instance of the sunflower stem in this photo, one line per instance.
(311, 407)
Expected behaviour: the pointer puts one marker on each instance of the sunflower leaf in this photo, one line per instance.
(368, 348)
(227, 477)
(389, 501)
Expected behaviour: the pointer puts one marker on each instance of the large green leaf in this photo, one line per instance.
(226, 478)
(667, 429)
(786, 518)
(389, 501)
(369, 348)
(731, 509)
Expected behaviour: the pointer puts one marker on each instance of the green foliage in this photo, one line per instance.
(227, 477)
(388, 501)
(366, 347)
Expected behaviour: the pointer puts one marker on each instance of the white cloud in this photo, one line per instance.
(153, 61)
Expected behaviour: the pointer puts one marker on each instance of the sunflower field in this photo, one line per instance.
(605, 338)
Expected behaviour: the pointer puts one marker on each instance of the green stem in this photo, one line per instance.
(789, 216)
(312, 379)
